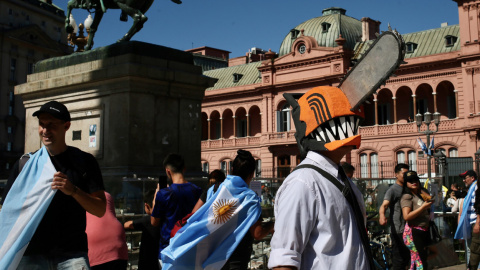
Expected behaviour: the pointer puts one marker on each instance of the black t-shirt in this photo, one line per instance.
(241, 256)
(148, 257)
(62, 229)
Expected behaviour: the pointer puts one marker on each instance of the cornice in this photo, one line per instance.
(422, 77)
(302, 63)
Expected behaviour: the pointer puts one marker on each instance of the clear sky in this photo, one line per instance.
(238, 25)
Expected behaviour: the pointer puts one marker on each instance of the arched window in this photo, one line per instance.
(258, 168)
(400, 157)
(412, 160)
(374, 165)
(226, 166)
(363, 165)
(283, 119)
(205, 168)
(453, 152)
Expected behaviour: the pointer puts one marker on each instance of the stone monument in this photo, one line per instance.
(131, 104)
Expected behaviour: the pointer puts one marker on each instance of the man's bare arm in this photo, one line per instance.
(382, 219)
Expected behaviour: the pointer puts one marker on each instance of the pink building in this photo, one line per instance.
(246, 109)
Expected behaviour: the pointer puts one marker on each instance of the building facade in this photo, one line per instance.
(30, 31)
(246, 108)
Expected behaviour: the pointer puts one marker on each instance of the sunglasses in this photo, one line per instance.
(413, 180)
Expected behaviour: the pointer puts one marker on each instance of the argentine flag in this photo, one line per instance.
(24, 207)
(215, 230)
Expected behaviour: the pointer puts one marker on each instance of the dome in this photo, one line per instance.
(326, 29)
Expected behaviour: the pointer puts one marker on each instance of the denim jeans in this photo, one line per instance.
(74, 261)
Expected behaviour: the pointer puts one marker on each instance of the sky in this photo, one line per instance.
(239, 25)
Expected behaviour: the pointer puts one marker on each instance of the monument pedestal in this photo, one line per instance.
(131, 104)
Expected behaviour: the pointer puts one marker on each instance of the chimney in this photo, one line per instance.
(369, 28)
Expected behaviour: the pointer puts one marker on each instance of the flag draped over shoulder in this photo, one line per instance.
(464, 228)
(24, 207)
(215, 230)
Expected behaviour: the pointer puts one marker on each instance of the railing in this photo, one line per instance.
(289, 136)
(264, 139)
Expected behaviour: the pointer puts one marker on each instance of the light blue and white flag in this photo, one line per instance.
(24, 207)
(215, 230)
(422, 145)
(464, 228)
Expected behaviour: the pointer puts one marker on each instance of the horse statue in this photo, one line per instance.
(134, 8)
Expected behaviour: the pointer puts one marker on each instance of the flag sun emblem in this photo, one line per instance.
(223, 210)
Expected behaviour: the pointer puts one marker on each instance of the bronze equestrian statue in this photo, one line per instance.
(134, 8)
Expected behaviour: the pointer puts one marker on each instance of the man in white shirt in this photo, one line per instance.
(468, 224)
(317, 226)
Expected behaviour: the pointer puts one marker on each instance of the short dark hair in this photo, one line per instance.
(347, 167)
(401, 166)
(244, 164)
(218, 175)
(175, 162)
(148, 197)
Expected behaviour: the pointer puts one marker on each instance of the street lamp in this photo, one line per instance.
(427, 119)
(77, 38)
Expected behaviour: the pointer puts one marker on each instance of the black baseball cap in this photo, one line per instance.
(56, 109)
(469, 173)
(410, 176)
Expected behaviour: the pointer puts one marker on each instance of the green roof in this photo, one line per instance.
(351, 30)
(423, 43)
(249, 75)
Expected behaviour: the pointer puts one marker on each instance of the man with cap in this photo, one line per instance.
(77, 185)
(468, 224)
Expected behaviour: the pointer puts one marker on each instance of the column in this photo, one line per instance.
(456, 103)
(376, 111)
(394, 109)
(248, 125)
(434, 102)
(209, 121)
(414, 106)
(234, 126)
(221, 128)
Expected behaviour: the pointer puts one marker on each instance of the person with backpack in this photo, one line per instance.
(45, 201)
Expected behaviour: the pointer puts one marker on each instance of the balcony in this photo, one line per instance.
(274, 138)
(264, 139)
(407, 128)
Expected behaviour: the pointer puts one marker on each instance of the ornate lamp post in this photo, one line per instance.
(76, 38)
(427, 119)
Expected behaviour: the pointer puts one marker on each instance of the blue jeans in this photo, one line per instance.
(74, 261)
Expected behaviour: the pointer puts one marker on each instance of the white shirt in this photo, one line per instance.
(314, 224)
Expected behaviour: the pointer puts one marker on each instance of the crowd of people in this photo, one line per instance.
(56, 213)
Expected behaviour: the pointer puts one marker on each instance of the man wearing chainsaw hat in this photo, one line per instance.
(319, 212)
